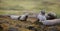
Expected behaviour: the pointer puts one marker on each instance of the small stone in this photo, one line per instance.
(31, 28)
(53, 29)
(12, 29)
(17, 25)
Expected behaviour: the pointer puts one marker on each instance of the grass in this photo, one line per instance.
(11, 6)
(30, 4)
(37, 5)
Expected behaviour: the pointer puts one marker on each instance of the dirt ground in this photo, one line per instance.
(7, 22)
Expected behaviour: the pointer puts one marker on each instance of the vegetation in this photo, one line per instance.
(30, 6)
(9, 24)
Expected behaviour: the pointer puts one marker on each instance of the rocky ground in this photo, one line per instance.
(7, 24)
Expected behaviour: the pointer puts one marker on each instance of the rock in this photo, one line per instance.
(13, 29)
(17, 25)
(0, 22)
(4, 21)
(31, 28)
(14, 17)
(51, 16)
(51, 22)
(23, 17)
(52, 29)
